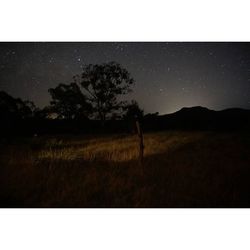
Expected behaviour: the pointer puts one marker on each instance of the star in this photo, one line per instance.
(187, 68)
(119, 47)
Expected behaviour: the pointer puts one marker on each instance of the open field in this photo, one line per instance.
(180, 169)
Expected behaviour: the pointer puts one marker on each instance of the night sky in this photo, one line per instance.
(168, 76)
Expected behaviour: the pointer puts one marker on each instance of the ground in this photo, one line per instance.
(180, 169)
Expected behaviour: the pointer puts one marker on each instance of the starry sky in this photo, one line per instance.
(168, 76)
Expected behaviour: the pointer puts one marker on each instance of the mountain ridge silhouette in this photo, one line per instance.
(199, 117)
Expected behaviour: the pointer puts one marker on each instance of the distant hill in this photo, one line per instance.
(201, 118)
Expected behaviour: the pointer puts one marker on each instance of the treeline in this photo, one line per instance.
(93, 101)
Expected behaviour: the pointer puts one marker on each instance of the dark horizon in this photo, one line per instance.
(168, 76)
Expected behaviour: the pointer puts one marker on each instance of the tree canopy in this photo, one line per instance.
(94, 93)
(103, 84)
(69, 102)
(15, 108)
(133, 111)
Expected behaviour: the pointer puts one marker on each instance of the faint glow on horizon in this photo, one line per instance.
(168, 76)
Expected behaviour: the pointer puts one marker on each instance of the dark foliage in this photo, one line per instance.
(68, 102)
(15, 108)
(133, 111)
(103, 84)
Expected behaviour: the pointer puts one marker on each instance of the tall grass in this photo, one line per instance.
(113, 149)
(180, 169)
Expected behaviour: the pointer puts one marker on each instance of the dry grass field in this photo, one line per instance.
(180, 169)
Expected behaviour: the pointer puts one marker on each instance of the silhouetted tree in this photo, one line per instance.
(103, 84)
(8, 106)
(15, 108)
(27, 109)
(133, 111)
(69, 102)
